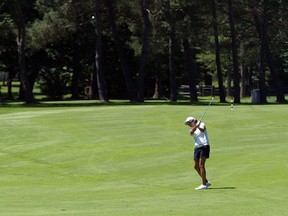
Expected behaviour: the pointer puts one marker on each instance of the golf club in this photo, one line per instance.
(206, 109)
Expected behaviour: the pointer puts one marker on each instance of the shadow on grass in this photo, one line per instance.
(86, 103)
(222, 188)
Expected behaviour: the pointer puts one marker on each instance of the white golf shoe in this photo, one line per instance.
(201, 187)
(208, 184)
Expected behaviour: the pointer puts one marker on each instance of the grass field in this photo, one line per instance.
(138, 160)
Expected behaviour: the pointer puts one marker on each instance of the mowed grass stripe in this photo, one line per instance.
(138, 160)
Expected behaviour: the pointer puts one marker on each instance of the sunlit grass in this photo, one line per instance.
(61, 159)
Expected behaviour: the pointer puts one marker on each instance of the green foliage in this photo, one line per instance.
(56, 5)
(7, 45)
(54, 82)
(7, 27)
(57, 26)
(53, 28)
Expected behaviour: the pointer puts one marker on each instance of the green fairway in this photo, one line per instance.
(138, 160)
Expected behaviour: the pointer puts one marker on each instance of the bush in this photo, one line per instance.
(53, 82)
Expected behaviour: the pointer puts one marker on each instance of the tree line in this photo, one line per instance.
(138, 49)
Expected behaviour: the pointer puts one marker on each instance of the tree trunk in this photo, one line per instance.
(262, 83)
(217, 53)
(172, 68)
(236, 75)
(142, 62)
(260, 26)
(280, 97)
(243, 74)
(229, 80)
(157, 89)
(76, 69)
(243, 81)
(9, 85)
(101, 82)
(21, 40)
(121, 53)
(191, 70)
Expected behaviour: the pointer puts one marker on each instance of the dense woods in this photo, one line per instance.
(138, 49)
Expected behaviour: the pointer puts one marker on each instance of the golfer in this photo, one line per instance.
(202, 149)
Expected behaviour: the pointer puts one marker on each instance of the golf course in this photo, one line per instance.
(137, 159)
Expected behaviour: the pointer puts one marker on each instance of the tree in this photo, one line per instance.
(260, 26)
(76, 9)
(261, 22)
(66, 32)
(267, 21)
(144, 51)
(21, 42)
(189, 40)
(191, 70)
(217, 51)
(8, 47)
(236, 75)
(101, 82)
(172, 15)
(55, 34)
(192, 24)
(172, 67)
(121, 54)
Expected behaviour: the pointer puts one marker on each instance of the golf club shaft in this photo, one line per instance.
(206, 109)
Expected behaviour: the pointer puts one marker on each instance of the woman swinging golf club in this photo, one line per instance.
(202, 149)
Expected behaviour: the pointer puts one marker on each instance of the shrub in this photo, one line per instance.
(53, 82)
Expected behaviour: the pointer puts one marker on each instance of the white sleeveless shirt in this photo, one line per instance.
(200, 138)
